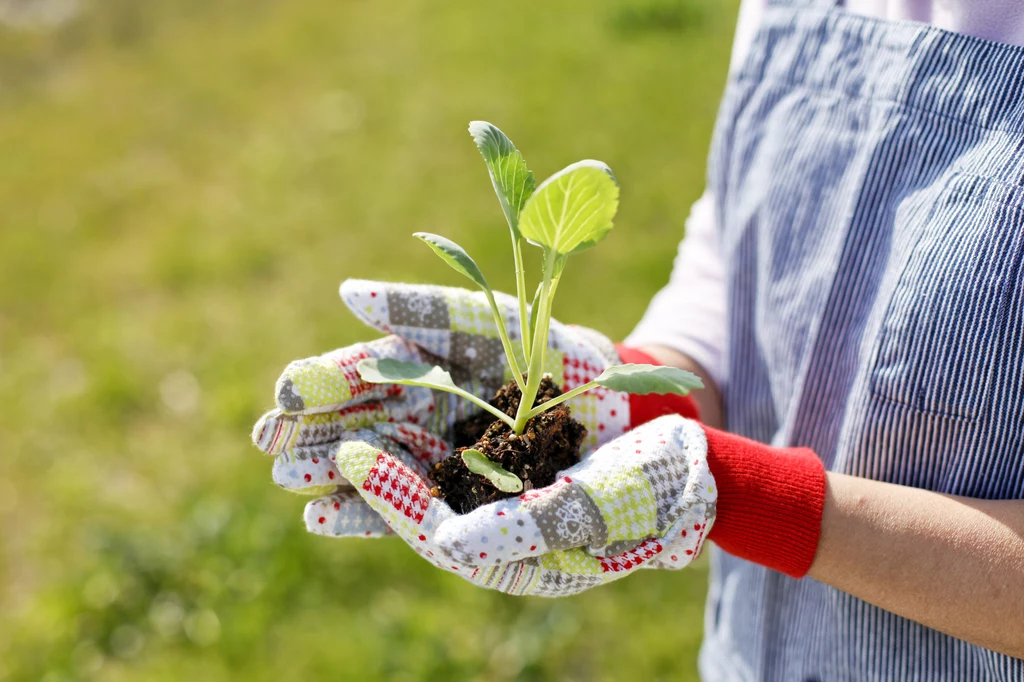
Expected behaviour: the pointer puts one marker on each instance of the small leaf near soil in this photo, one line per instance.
(503, 480)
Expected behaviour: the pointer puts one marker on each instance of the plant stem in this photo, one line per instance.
(533, 376)
(524, 321)
(513, 363)
(560, 399)
(476, 401)
(540, 345)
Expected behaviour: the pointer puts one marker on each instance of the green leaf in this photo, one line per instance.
(513, 182)
(389, 371)
(503, 480)
(455, 256)
(642, 379)
(573, 209)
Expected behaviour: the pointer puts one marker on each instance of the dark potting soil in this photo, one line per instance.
(550, 443)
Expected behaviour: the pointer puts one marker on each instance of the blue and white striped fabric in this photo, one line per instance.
(869, 178)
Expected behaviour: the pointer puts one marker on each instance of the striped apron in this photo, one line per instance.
(869, 182)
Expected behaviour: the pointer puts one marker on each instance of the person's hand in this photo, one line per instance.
(322, 402)
(643, 500)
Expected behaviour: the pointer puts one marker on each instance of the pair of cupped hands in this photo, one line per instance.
(641, 497)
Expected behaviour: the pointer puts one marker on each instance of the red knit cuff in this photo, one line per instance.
(770, 502)
(644, 408)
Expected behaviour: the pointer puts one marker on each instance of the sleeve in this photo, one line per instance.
(689, 313)
(747, 22)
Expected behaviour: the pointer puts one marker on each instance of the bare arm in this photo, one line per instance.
(954, 564)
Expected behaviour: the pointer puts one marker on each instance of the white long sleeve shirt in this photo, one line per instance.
(689, 313)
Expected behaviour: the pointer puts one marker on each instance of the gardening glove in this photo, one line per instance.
(765, 504)
(770, 499)
(643, 500)
(322, 401)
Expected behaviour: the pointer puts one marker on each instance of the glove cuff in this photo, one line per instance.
(644, 408)
(770, 502)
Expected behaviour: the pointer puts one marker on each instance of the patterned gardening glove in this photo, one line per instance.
(322, 402)
(643, 500)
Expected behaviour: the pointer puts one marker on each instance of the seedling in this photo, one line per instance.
(569, 212)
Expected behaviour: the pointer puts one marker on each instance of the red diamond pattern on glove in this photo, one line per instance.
(647, 550)
(395, 483)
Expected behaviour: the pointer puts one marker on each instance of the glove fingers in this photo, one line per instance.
(419, 447)
(344, 514)
(648, 480)
(392, 489)
(278, 431)
(685, 540)
(309, 470)
(312, 470)
(402, 498)
(330, 382)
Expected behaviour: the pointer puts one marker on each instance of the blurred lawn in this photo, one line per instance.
(182, 187)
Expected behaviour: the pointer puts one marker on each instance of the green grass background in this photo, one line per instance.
(182, 187)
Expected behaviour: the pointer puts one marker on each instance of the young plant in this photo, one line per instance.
(568, 213)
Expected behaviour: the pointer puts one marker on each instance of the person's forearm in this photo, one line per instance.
(708, 399)
(954, 564)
